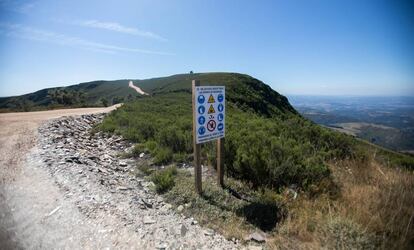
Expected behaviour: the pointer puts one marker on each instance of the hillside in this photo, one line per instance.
(93, 93)
(272, 156)
(251, 93)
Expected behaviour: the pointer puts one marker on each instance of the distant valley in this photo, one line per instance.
(385, 121)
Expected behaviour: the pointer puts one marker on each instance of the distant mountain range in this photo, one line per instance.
(385, 121)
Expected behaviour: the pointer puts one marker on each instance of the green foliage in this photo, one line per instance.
(138, 149)
(277, 152)
(163, 155)
(164, 180)
(265, 151)
(117, 99)
(145, 169)
(67, 97)
(23, 104)
(104, 102)
(246, 91)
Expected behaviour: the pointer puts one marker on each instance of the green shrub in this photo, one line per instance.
(163, 155)
(174, 138)
(164, 180)
(145, 169)
(138, 149)
(151, 146)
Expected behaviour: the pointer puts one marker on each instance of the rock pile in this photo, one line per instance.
(105, 189)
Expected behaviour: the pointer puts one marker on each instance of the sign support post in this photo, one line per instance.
(196, 147)
(220, 163)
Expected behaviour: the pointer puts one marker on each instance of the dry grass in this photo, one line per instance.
(382, 200)
(375, 210)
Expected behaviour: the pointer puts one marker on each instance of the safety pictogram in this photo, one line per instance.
(201, 130)
(220, 107)
(201, 99)
(201, 120)
(211, 110)
(201, 110)
(211, 99)
(211, 125)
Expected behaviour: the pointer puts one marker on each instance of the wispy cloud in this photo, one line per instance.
(30, 33)
(117, 27)
(17, 5)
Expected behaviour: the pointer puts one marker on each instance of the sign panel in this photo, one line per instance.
(210, 113)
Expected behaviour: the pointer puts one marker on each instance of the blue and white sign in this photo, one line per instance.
(210, 115)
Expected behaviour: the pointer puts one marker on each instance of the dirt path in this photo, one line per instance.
(138, 89)
(27, 194)
(64, 188)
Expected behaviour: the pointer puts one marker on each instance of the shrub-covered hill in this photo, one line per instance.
(83, 94)
(267, 142)
(346, 192)
(243, 90)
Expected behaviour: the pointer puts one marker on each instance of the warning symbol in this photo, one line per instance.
(211, 125)
(211, 99)
(211, 109)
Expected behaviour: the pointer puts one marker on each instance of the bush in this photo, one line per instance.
(343, 232)
(138, 149)
(163, 155)
(164, 180)
(145, 169)
(151, 146)
(172, 137)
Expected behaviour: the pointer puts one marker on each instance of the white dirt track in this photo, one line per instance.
(137, 89)
(28, 196)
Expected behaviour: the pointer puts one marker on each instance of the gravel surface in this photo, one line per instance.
(72, 191)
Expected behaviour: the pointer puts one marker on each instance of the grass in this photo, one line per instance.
(372, 208)
(164, 179)
(221, 210)
(381, 199)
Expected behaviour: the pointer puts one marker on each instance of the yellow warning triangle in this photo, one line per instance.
(211, 100)
(211, 109)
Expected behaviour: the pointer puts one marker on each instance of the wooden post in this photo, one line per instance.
(220, 163)
(196, 147)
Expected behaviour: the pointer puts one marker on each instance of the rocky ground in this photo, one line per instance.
(107, 193)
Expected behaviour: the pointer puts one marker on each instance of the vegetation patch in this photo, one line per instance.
(304, 185)
(164, 179)
(220, 209)
(264, 151)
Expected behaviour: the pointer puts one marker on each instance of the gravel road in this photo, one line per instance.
(61, 188)
(26, 193)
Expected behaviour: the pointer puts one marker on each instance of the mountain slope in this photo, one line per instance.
(305, 185)
(243, 90)
(94, 92)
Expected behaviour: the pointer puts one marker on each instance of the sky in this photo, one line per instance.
(308, 47)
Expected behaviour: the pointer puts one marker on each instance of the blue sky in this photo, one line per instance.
(297, 47)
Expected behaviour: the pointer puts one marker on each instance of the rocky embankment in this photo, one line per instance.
(88, 171)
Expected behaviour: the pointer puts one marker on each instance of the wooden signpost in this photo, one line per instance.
(208, 124)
